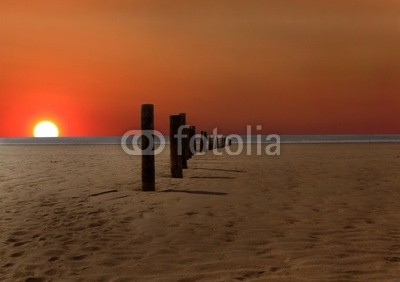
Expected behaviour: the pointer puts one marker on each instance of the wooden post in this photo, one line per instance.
(189, 156)
(215, 141)
(210, 146)
(184, 141)
(185, 145)
(176, 159)
(195, 141)
(148, 161)
(192, 133)
(203, 141)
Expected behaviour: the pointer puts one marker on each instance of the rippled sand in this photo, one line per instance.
(316, 213)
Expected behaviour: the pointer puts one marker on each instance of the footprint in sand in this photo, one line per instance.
(12, 240)
(91, 249)
(52, 259)
(250, 275)
(19, 233)
(230, 224)
(97, 223)
(393, 259)
(35, 279)
(16, 255)
(7, 265)
(230, 236)
(78, 257)
(51, 272)
(19, 244)
(264, 252)
(395, 247)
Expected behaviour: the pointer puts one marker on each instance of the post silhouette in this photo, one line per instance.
(219, 142)
(203, 142)
(210, 143)
(184, 140)
(192, 134)
(176, 159)
(185, 144)
(148, 160)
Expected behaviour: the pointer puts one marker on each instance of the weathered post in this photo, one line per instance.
(195, 140)
(176, 159)
(203, 141)
(210, 143)
(148, 160)
(215, 142)
(184, 144)
(189, 155)
(192, 134)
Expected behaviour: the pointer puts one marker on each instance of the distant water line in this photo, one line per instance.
(285, 139)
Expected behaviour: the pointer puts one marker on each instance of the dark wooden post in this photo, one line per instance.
(176, 159)
(185, 144)
(184, 141)
(203, 139)
(192, 151)
(190, 131)
(148, 160)
(195, 141)
(211, 143)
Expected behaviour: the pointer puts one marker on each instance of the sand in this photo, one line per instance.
(325, 212)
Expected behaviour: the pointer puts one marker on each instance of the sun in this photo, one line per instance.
(46, 129)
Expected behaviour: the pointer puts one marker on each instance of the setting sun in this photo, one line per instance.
(46, 129)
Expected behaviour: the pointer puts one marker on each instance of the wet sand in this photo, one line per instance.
(328, 212)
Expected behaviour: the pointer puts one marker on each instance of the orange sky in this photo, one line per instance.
(295, 67)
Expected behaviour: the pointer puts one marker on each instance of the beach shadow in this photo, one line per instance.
(103, 193)
(213, 177)
(218, 169)
(196, 192)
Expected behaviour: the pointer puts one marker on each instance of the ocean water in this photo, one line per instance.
(284, 139)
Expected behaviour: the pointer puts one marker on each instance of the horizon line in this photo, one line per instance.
(285, 139)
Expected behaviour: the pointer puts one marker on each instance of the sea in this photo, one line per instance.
(285, 139)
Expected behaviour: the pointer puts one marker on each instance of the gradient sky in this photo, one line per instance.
(295, 67)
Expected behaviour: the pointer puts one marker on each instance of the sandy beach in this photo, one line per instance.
(327, 212)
